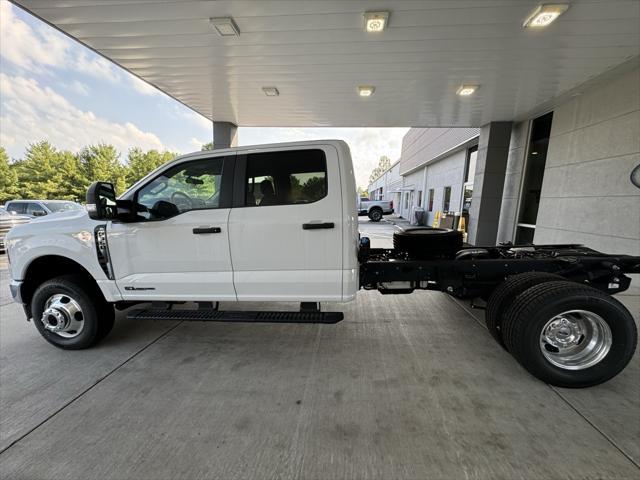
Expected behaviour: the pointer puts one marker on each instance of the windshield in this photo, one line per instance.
(62, 206)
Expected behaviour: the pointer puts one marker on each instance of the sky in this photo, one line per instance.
(52, 88)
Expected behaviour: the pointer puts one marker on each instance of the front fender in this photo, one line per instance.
(29, 242)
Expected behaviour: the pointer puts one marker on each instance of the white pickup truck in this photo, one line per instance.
(280, 223)
(374, 209)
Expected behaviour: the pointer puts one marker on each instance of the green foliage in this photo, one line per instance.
(48, 173)
(140, 163)
(8, 178)
(383, 165)
(207, 146)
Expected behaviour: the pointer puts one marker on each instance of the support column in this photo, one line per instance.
(224, 135)
(488, 184)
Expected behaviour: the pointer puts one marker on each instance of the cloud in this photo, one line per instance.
(79, 87)
(40, 49)
(31, 112)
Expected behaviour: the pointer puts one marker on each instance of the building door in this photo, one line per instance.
(533, 176)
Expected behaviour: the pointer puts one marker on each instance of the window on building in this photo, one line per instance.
(419, 198)
(469, 175)
(533, 176)
(446, 199)
(406, 201)
(283, 178)
(431, 195)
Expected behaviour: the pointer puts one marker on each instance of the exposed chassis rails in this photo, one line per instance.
(476, 271)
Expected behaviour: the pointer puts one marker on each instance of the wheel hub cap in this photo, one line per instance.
(63, 316)
(575, 340)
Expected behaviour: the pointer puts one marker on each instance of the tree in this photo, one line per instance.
(207, 146)
(383, 165)
(8, 178)
(38, 173)
(140, 163)
(362, 192)
(102, 163)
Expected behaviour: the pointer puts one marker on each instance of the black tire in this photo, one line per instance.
(505, 294)
(375, 214)
(97, 315)
(525, 320)
(425, 243)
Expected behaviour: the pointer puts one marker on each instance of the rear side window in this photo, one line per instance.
(32, 208)
(17, 207)
(285, 178)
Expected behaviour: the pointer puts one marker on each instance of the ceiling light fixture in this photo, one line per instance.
(366, 90)
(271, 91)
(225, 26)
(375, 22)
(545, 14)
(466, 90)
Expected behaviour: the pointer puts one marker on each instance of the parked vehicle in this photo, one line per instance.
(374, 209)
(279, 223)
(8, 221)
(40, 208)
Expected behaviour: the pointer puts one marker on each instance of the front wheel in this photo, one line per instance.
(569, 335)
(70, 315)
(375, 215)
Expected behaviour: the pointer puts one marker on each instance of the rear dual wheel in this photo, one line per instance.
(568, 334)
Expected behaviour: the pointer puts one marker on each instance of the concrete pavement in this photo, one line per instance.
(405, 387)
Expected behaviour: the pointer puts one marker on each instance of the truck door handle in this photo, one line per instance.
(317, 226)
(199, 230)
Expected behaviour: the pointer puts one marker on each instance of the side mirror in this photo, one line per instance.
(101, 201)
(39, 213)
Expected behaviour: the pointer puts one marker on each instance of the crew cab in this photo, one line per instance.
(279, 223)
(374, 209)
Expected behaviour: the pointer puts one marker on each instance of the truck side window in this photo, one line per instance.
(188, 186)
(286, 178)
(35, 209)
(17, 207)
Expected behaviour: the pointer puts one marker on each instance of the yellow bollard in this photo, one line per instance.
(436, 219)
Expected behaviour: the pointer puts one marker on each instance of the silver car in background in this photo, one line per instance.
(39, 208)
(8, 220)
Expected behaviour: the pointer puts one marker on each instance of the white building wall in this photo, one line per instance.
(587, 196)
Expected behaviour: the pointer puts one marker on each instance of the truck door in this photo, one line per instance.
(180, 249)
(285, 228)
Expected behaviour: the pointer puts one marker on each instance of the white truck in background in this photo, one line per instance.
(374, 209)
(280, 223)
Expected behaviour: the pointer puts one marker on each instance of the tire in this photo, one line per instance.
(594, 358)
(375, 214)
(426, 243)
(64, 297)
(505, 294)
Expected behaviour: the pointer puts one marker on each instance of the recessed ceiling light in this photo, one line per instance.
(225, 26)
(466, 90)
(375, 22)
(545, 14)
(271, 91)
(366, 90)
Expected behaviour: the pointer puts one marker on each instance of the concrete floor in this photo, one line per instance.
(405, 387)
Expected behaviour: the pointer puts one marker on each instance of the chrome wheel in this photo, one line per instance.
(63, 316)
(575, 340)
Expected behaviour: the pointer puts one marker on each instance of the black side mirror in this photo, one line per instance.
(101, 201)
(39, 213)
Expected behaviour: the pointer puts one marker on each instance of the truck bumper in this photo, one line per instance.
(16, 286)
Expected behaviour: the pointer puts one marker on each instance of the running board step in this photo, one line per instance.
(211, 315)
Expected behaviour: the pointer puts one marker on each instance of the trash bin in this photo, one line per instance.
(418, 217)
